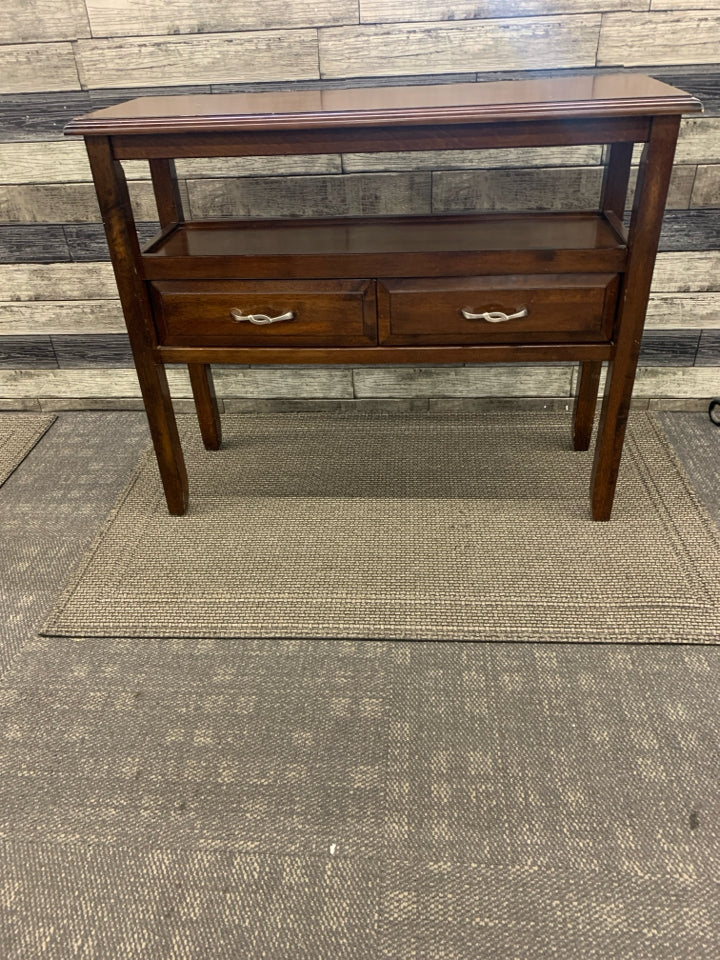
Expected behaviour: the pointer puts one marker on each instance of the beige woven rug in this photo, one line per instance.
(413, 527)
(18, 435)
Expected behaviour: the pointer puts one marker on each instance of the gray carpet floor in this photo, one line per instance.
(324, 799)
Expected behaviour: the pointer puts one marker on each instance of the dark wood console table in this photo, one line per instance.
(494, 288)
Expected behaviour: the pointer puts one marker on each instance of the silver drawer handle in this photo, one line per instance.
(260, 318)
(494, 316)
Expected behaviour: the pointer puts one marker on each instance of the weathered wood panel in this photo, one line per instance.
(330, 382)
(680, 191)
(699, 140)
(700, 83)
(372, 194)
(687, 272)
(676, 382)
(40, 116)
(61, 316)
(685, 4)
(669, 348)
(684, 310)
(65, 203)
(95, 350)
(525, 380)
(38, 67)
(86, 241)
(165, 61)
(216, 167)
(706, 190)
(524, 44)
(636, 39)
(79, 383)
(124, 18)
(26, 21)
(45, 244)
(26, 352)
(55, 162)
(391, 11)
(690, 230)
(57, 281)
(708, 354)
(574, 188)
(472, 159)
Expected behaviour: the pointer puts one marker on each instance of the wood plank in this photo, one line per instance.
(393, 11)
(354, 194)
(92, 350)
(706, 190)
(29, 67)
(26, 352)
(54, 162)
(61, 316)
(40, 116)
(29, 242)
(473, 159)
(65, 203)
(703, 83)
(669, 348)
(676, 382)
(522, 44)
(699, 141)
(708, 354)
(217, 167)
(690, 230)
(165, 61)
(679, 192)
(687, 272)
(685, 5)
(290, 382)
(475, 381)
(566, 188)
(86, 241)
(636, 39)
(684, 310)
(57, 281)
(25, 21)
(124, 18)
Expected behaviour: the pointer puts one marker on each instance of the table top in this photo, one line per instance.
(587, 96)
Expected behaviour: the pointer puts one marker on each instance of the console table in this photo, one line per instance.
(496, 288)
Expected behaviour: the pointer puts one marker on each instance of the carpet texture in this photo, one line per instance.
(413, 527)
(18, 435)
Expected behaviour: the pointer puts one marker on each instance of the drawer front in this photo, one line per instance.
(265, 313)
(508, 309)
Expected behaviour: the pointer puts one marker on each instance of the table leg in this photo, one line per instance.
(203, 390)
(585, 403)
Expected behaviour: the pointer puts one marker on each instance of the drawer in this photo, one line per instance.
(527, 309)
(338, 313)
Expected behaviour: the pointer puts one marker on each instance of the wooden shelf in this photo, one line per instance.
(420, 247)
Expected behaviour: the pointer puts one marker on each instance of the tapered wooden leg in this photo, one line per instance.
(164, 433)
(208, 414)
(585, 403)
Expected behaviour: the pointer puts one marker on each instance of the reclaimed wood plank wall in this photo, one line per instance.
(62, 339)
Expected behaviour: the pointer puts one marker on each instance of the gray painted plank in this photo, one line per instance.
(65, 202)
(706, 190)
(669, 348)
(33, 243)
(676, 382)
(525, 43)
(166, 61)
(92, 350)
(636, 39)
(26, 352)
(708, 354)
(690, 230)
(33, 67)
(354, 194)
(86, 241)
(123, 18)
(392, 11)
(40, 116)
(217, 167)
(25, 21)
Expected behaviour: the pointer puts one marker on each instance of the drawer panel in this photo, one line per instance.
(311, 313)
(542, 309)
